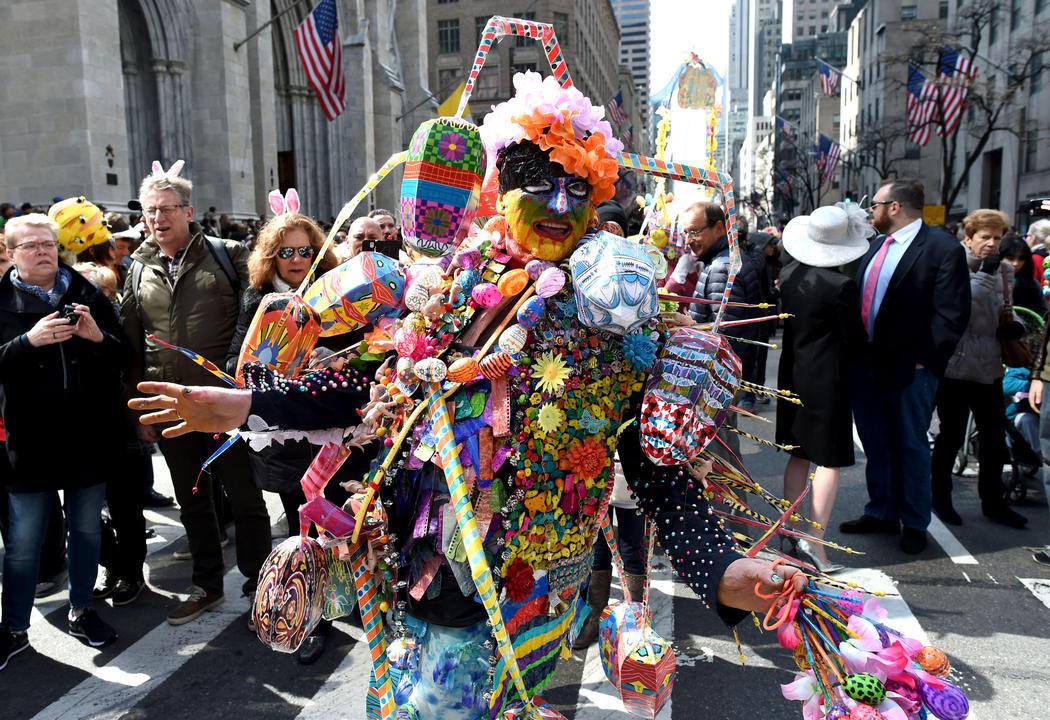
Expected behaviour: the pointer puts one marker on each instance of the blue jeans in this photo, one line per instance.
(29, 514)
(630, 528)
(892, 423)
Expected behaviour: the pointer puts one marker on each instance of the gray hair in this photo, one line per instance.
(179, 185)
(14, 227)
(1040, 230)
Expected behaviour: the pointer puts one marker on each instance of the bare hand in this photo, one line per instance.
(1035, 395)
(676, 318)
(195, 409)
(50, 330)
(737, 587)
(86, 327)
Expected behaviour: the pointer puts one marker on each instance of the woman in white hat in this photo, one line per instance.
(823, 331)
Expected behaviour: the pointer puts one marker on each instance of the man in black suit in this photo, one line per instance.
(915, 303)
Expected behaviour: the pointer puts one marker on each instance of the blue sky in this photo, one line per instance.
(679, 27)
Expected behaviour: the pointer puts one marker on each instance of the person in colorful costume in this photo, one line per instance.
(537, 423)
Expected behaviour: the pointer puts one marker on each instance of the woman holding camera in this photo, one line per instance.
(61, 354)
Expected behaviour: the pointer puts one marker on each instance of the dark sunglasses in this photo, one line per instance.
(286, 252)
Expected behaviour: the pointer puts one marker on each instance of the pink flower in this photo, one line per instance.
(806, 690)
(864, 652)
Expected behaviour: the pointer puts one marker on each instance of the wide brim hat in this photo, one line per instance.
(831, 236)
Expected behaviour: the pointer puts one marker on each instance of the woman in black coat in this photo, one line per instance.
(824, 330)
(61, 356)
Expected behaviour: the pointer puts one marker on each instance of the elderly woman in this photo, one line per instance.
(283, 253)
(973, 381)
(61, 352)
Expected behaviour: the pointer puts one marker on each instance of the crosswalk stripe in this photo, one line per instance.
(1040, 587)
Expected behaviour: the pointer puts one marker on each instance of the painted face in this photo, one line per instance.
(546, 217)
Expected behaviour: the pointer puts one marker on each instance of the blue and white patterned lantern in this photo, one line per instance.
(615, 283)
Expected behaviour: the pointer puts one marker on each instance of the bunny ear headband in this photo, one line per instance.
(174, 170)
(288, 203)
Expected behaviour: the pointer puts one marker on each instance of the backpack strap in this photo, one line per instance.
(136, 279)
(218, 250)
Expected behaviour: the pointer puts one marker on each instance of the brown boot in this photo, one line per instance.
(635, 585)
(597, 599)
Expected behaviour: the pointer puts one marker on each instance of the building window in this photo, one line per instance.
(448, 78)
(1036, 83)
(479, 27)
(993, 25)
(488, 82)
(1031, 149)
(521, 68)
(1015, 14)
(446, 2)
(909, 12)
(1040, 5)
(943, 10)
(561, 28)
(523, 41)
(912, 151)
(448, 36)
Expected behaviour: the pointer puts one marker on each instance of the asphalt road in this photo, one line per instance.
(983, 601)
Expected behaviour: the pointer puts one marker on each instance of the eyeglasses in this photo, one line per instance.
(304, 252)
(35, 247)
(694, 234)
(875, 203)
(165, 210)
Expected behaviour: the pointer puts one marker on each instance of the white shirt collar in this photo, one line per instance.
(907, 233)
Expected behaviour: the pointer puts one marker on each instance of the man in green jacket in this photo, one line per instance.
(184, 288)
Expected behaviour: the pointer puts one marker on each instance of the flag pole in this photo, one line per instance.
(848, 77)
(295, 3)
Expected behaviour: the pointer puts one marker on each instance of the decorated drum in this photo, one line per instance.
(290, 599)
(688, 395)
(441, 185)
(365, 288)
(281, 336)
(615, 283)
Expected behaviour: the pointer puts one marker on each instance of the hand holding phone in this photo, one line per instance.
(69, 314)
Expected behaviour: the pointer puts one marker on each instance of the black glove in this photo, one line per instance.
(990, 265)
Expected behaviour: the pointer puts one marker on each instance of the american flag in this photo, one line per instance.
(921, 106)
(317, 41)
(954, 75)
(828, 153)
(829, 78)
(616, 110)
(784, 126)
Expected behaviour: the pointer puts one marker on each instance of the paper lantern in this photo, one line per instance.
(442, 184)
(290, 598)
(80, 224)
(687, 398)
(615, 283)
(697, 86)
(365, 288)
(281, 336)
(638, 662)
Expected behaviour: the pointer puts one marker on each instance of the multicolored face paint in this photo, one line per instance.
(546, 217)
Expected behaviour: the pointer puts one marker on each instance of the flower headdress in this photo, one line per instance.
(562, 121)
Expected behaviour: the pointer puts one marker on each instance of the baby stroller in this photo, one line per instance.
(1025, 460)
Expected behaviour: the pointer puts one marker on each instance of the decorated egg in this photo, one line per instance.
(837, 712)
(933, 661)
(463, 370)
(531, 312)
(365, 288)
(513, 282)
(416, 297)
(865, 712)
(486, 295)
(495, 365)
(535, 268)
(864, 688)
(513, 339)
(430, 370)
(291, 595)
(406, 340)
(429, 276)
(468, 258)
(550, 282)
(947, 703)
(404, 368)
(615, 284)
(468, 279)
(441, 184)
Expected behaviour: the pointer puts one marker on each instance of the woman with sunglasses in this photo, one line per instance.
(283, 254)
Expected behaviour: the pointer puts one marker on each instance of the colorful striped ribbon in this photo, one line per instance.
(468, 529)
(372, 624)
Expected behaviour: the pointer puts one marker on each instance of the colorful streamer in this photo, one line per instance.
(197, 358)
(372, 624)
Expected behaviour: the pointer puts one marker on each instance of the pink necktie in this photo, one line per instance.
(868, 298)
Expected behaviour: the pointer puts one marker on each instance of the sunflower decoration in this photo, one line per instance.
(551, 418)
(551, 371)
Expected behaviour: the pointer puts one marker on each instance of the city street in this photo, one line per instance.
(975, 593)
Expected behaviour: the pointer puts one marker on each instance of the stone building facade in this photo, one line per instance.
(92, 91)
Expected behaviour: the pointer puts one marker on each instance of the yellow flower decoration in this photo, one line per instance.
(550, 418)
(551, 371)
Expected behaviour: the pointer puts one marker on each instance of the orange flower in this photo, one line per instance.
(588, 458)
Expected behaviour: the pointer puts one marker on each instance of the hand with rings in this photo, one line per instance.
(50, 330)
(755, 585)
(192, 409)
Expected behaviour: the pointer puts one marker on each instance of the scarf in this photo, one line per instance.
(52, 297)
(280, 285)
